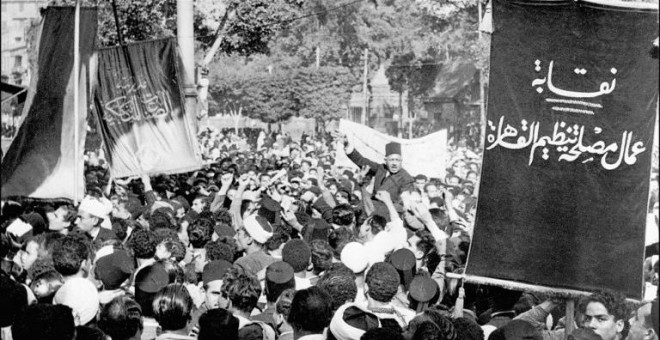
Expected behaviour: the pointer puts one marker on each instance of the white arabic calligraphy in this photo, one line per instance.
(605, 87)
(133, 108)
(569, 143)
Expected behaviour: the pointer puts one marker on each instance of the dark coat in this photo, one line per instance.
(394, 184)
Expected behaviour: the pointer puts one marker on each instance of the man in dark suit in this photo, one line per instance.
(390, 176)
(91, 214)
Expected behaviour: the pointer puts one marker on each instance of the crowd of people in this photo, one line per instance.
(272, 241)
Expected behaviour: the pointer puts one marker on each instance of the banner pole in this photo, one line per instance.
(76, 104)
(570, 317)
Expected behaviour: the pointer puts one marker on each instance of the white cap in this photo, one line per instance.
(83, 298)
(93, 207)
(355, 256)
(258, 228)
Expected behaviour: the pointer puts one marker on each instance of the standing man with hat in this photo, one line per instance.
(390, 176)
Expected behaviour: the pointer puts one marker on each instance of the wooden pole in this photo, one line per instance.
(482, 94)
(76, 104)
(570, 318)
(365, 104)
(120, 38)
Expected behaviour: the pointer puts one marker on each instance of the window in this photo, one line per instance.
(18, 39)
(21, 7)
(18, 61)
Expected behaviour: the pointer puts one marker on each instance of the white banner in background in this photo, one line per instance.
(427, 155)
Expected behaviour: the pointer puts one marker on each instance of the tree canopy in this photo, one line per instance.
(320, 93)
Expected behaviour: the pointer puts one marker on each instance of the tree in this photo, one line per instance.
(254, 25)
(323, 93)
(259, 95)
(274, 96)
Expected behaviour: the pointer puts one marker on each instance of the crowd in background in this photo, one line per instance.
(272, 241)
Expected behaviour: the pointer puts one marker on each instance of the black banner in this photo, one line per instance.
(140, 107)
(564, 189)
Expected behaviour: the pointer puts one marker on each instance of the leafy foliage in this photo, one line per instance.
(255, 24)
(273, 97)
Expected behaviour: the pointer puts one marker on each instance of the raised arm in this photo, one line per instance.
(353, 154)
(235, 207)
(226, 180)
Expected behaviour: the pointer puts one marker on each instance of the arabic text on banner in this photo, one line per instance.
(567, 156)
(140, 109)
(41, 160)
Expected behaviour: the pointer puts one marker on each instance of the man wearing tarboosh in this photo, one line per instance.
(390, 177)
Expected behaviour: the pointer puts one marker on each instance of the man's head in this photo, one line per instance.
(468, 329)
(217, 323)
(382, 282)
(371, 227)
(310, 311)
(172, 307)
(91, 213)
(343, 216)
(297, 253)
(393, 157)
(242, 289)
(61, 218)
(201, 232)
(121, 318)
(255, 232)
(279, 277)
(340, 285)
(420, 182)
(305, 165)
(644, 323)
(71, 255)
(212, 276)
(41, 321)
(143, 242)
(264, 180)
(199, 204)
(605, 312)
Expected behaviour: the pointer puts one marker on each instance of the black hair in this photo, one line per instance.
(613, 301)
(219, 250)
(172, 307)
(200, 232)
(121, 318)
(467, 329)
(241, 288)
(176, 247)
(41, 321)
(383, 282)
(143, 242)
(343, 215)
(427, 330)
(69, 253)
(376, 223)
(339, 286)
(381, 334)
(217, 323)
(321, 255)
(310, 310)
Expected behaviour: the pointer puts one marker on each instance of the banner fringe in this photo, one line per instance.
(549, 292)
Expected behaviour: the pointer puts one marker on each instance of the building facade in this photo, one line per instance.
(17, 19)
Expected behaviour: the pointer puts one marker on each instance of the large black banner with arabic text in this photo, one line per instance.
(139, 105)
(564, 189)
